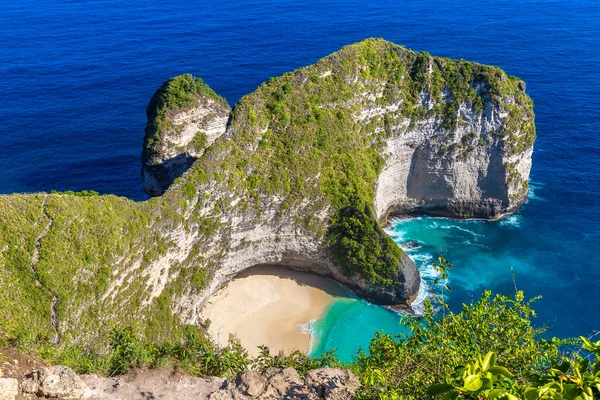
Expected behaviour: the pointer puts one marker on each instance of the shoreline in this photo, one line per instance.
(270, 305)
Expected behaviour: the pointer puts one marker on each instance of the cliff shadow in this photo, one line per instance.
(158, 178)
(493, 183)
(301, 278)
(424, 182)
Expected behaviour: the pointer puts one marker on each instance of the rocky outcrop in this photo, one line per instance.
(473, 172)
(151, 384)
(184, 117)
(324, 383)
(54, 382)
(62, 383)
(9, 388)
(309, 167)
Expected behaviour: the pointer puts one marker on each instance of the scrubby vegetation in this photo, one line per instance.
(362, 247)
(454, 356)
(189, 351)
(490, 350)
(303, 145)
(174, 95)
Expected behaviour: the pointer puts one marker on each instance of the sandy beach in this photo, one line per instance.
(271, 306)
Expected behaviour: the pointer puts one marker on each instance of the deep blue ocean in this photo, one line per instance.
(76, 76)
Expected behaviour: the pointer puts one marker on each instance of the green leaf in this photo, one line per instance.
(472, 383)
(450, 396)
(487, 384)
(489, 361)
(587, 344)
(497, 393)
(531, 394)
(564, 367)
(438, 388)
(498, 370)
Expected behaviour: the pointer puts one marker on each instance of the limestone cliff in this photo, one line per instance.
(184, 117)
(478, 169)
(304, 176)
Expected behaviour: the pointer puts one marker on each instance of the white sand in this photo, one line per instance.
(270, 306)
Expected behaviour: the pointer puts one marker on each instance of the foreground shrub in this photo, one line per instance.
(489, 350)
(404, 366)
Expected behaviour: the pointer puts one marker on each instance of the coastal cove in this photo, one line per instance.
(74, 120)
(485, 255)
(272, 306)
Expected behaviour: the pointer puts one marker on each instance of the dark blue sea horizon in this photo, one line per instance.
(76, 76)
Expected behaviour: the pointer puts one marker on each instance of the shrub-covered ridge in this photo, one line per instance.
(302, 177)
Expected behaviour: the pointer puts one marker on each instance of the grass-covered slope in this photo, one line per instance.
(23, 304)
(298, 164)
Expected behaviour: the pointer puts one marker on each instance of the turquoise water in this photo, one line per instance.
(544, 251)
(349, 324)
(76, 76)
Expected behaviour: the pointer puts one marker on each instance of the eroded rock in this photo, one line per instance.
(184, 117)
(54, 382)
(323, 383)
(9, 388)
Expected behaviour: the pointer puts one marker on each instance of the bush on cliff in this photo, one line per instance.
(360, 246)
(406, 365)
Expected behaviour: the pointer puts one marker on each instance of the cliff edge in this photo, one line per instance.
(305, 173)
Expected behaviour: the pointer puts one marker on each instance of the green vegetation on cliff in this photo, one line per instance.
(176, 94)
(301, 137)
(302, 154)
(360, 246)
(24, 306)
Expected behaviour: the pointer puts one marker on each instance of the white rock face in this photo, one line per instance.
(9, 388)
(462, 176)
(275, 243)
(183, 138)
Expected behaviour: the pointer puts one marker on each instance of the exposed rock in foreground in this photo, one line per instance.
(54, 382)
(9, 388)
(151, 384)
(62, 383)
(323, 383)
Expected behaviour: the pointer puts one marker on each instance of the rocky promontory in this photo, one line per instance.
(184, 117)
(304, 174)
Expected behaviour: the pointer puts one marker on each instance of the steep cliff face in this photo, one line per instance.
(184, 117)
(306, 172)
(478, 170)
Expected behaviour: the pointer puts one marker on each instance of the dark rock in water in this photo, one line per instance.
(411, 244)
